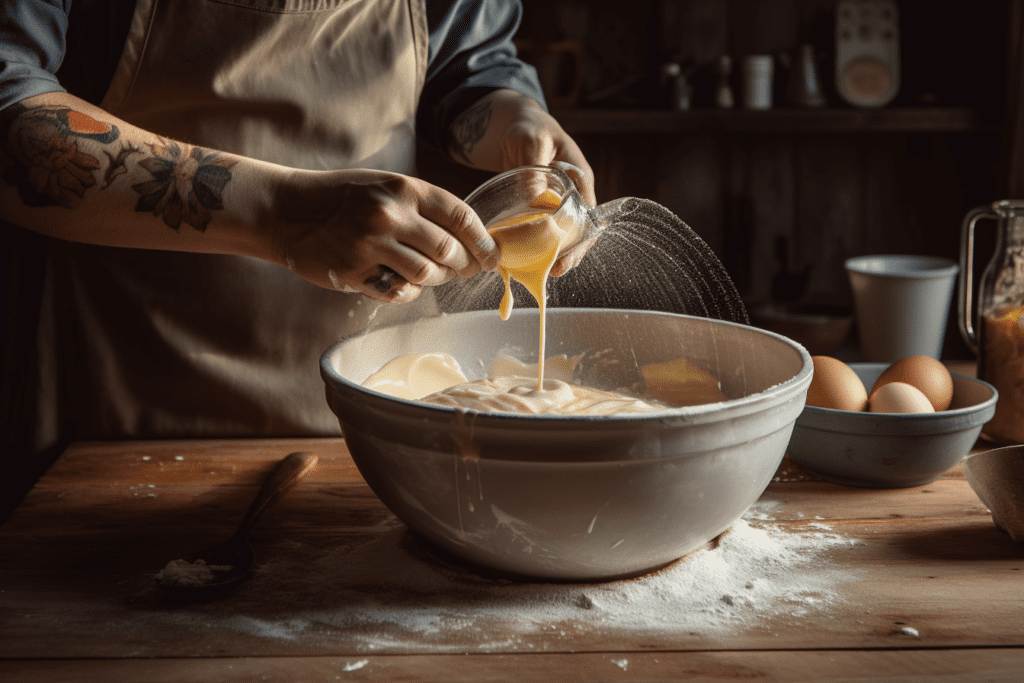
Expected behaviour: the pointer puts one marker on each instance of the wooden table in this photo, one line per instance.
(929, 588)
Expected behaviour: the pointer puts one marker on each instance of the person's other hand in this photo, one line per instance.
(535, 138)
(346, 229)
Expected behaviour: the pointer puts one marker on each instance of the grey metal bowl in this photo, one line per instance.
(572, 497)
(883, 450)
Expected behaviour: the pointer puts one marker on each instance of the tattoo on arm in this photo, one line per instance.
(50, 169)
(118, 163)
(188, 183)
(57, 153)
(468, 129)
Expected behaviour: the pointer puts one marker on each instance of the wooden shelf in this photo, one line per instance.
(903, 120)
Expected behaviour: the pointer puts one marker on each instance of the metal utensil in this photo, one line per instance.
(229, 562)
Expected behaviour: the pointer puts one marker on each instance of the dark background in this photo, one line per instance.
(784, 197)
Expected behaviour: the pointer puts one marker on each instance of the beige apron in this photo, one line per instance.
(161, 344)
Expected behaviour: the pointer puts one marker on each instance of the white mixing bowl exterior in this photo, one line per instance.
(573, 498)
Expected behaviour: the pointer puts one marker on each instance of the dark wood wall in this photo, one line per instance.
(784, 197)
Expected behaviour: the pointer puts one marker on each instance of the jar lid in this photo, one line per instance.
(1012, 205)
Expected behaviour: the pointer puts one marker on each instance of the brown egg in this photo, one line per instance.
(923, 372)
(900, 397)
(835, 385)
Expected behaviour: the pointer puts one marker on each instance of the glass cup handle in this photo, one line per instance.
(571, 171)
(966, 293)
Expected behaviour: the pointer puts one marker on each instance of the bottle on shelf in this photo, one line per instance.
(724, 98)
(676, 86)
(804, 87)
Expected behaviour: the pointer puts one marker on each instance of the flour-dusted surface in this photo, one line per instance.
(391, 594)
(191, 574)
(339, 579)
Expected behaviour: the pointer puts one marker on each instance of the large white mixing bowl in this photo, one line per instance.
(572, 498)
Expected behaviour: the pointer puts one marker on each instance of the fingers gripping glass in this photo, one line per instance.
(514, 191)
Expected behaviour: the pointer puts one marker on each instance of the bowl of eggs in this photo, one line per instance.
(888, 425)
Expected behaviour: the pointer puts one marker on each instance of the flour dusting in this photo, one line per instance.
(391, 594)
(355, 666)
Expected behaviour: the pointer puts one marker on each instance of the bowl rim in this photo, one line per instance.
(497, 180)
(922, 266)
(731, 408)
(1015, 450)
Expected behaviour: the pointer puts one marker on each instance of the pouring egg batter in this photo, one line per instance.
(530, 243)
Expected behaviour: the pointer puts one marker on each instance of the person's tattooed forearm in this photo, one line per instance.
(468, 129)
(58, 154)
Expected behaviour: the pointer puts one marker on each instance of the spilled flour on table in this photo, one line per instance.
(391, 594)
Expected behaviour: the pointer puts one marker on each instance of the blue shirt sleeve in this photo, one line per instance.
(31, 47)
(470, 54)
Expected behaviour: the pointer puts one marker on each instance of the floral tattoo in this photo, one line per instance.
(51, 168)
(469, 128)
(59, 154)
(186, 185)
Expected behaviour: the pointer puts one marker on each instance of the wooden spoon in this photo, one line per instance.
(229, 562)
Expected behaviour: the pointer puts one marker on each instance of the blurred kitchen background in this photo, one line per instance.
(784, 195)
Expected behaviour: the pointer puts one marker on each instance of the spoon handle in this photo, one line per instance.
(283, 477)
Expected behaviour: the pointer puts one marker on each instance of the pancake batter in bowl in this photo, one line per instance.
(520, 395)
(510, 387)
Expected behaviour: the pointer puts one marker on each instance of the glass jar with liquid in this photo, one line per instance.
(992, 319)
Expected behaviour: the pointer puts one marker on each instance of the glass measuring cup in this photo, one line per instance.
(517, 193)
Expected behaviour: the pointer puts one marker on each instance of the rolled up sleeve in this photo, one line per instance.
(31, 47)
(471, 53)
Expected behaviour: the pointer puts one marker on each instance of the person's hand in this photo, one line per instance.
(344, 230)
(505, 130)
(535, 138)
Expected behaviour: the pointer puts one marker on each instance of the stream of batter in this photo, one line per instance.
(530, 243)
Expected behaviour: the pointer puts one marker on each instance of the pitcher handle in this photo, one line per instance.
(966, 286)
(570, 170)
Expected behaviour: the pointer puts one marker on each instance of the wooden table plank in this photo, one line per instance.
(864, 666)
(213, 482)
(335, 494)
(929, 559)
